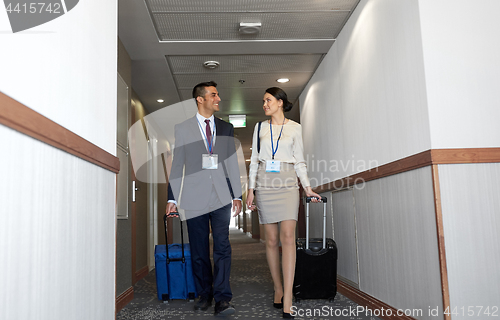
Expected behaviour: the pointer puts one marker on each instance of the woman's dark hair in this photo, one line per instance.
(279, 94)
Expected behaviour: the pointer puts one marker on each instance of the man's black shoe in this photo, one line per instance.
(223, 308)
(203, 303)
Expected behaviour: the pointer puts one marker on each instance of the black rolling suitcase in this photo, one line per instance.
(316, 264)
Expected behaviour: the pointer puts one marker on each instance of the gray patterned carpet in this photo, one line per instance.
(252, 293)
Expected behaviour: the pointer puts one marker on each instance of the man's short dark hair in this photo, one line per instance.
(199, 89)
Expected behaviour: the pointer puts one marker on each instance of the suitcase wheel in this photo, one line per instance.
(331, 300)
(191, 297)
(165, 297)
(297, 300)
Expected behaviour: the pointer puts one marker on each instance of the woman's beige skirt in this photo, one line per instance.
(277, 194)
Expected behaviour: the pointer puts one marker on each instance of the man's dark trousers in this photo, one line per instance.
(199, 233)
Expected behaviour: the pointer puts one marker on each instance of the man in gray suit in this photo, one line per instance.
(205, 182)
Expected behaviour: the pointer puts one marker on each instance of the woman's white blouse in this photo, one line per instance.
(290, 149)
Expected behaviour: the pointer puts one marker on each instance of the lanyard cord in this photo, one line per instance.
(209, 145)
(277, 142)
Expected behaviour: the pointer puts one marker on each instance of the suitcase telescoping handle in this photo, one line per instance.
(308, 200)
(166, 239)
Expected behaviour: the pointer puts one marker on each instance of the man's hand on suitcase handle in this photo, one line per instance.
(237, 204)
(313, 195)
(171, 210)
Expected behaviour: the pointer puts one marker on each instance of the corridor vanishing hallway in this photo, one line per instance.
(252, 292)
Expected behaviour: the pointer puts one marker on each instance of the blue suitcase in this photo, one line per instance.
(174, 272)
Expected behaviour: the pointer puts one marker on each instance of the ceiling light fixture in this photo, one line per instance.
(283, 80)
(250, 27)
(211, 64)
(160, 100)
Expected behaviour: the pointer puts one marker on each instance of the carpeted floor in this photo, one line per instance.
(252, 293)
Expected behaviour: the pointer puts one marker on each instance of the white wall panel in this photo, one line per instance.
(322, 122)
(57, 236)
(366, 104)
(462, 70)
(344, 224)
(397, 241)
(470, 203)
(65, 69)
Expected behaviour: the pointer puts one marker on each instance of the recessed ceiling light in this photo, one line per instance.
(211, 64)
(250, 27)
(248, 160)
(283, 80)
(160, 100)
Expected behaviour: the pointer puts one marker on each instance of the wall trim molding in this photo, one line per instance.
(19, 117)
(440, 238)
(432, 158)
(465, 155)
(123, 299)
(368, 301)
(416, 161)
(140, 274)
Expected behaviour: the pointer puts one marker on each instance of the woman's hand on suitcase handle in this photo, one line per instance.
(310, 193)
(250, 197)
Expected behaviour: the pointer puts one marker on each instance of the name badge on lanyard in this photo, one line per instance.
(274, 165)
(210, 161)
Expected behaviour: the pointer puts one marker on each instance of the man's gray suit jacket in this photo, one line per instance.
(191, 184)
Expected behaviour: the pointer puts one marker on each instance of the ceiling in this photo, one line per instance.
(169, 40)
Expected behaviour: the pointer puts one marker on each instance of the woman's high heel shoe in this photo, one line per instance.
(278, 305)
(287, 315)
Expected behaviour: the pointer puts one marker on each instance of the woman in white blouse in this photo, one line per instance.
(273, 175)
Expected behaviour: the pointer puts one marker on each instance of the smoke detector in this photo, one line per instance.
(211, 64)
(250, 27)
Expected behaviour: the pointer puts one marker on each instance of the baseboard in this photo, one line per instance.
(370, 302)
(141, 273)
(124, 299)
(348, 282)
